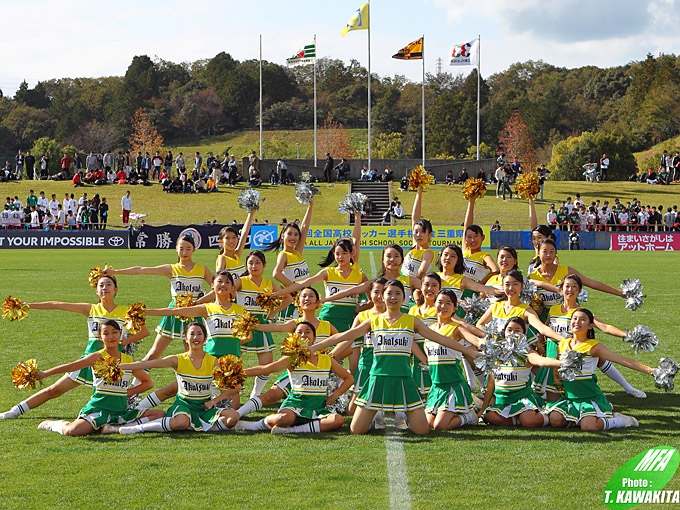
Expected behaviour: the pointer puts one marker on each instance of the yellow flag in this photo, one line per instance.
(358, 21)
(412, 51)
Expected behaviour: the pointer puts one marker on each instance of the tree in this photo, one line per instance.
(334, 138)
(144, 135)
(46, 146)
(27, 124)
(93, 136)
(515, 141)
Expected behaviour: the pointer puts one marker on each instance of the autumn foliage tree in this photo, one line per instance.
(145, 136)
(333, 138)
(514, 140)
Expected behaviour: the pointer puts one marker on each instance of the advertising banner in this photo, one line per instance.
(11, 239)
(205, 236)
(645, 241)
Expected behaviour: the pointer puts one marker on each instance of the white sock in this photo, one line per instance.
(55, 425)
(470, 375)
(218, 426)
(16, 411)
(160, 425)
(515, 420)
(260, 383)
(151, 400)
(254, 404)
(252, 425)
(468, 418)
(546, 420)
(311, 427)
(613, 423)
(400, 415)
(610, 371)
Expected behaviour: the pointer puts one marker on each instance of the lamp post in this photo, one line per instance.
(297, 148)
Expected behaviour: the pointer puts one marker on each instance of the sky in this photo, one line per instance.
(44, 39)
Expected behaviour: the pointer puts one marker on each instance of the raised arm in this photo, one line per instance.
(245, 231)
(356, 236)
(304, 227)
(469, 220)
(533, 319)
(163, 270)
(318, 277)
(417, 207)
(603, 352)
(364, 287)
(81, 308)
(533, 219)
(595, 284)
(350, 334)
(276, 366)
(167, 362)
(78, 364)
(422, 329)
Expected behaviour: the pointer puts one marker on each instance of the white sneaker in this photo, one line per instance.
(49, 425)
(110, 429)
(278, 430)
(628, 421)
(400, 423)
(477, 402)
(131, 429)
(636, 393)
(5, 416)
(379, 422)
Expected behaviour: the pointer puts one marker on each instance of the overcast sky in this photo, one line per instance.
(45, 39)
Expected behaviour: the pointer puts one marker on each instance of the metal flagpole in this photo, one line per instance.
(423, 51)
(479, 55)
(261, 152)
(369, 86)
(315, 122)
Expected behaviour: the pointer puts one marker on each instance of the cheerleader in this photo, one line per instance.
(109, 399)
(420, 256)
(219, 317)
(186, 276)
(451, 264)
(232, 245)
(390, 385)
(538, 233)
(105, 309)
(247, 289)
(193, 409)
(509, 399)
(559, 318)
(449, 402)
(290, 266)
(479, 265)
(583, 403)
(304, 409)
(308, 303)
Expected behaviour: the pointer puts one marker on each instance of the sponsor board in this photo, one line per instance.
(18, 239)
(165, 237)
(645, 241)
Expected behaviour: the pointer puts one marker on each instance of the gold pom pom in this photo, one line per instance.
(527, 185)
(244, 326)
(420, 178)
(229, 372)
(295, 347)
(135, 317)
(474, 188)
(266, 301)
(537, 305)
(14, 309)
(95, 274)
(184, 300)
(108, 368)
(25, 375)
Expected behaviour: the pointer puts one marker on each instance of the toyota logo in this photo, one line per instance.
(192, 232)
(264, 237)
(116, 241)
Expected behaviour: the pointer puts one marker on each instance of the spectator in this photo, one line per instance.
(65, 164)
(481, 175)
(501, 160)
(654, 220)
(48, 221)
(253, 162)
(19, 162)
(146, 167)
(365, 174)
(449, 180)
(44, 167)
(119, 163)
(403, 184)
(53, 205)
(274, 176)
(138, 162)
(233, 170)
(107, 161)
(328, 168)
(200, 185)
(551, 217)
(111, 176)
(507, 179)
(542, 177)
(121, 177)
(604, 167)
(254, 179)
(180, 162)
(563, 219)
(574, 219)
(516, 168)
(388, 174)
(103, 214)
(675, 171)
(167, 163)
(214, 176)
(398, 211)
(71, 220)
(157, 162)
(91, 162)
(126, 204)
(433, 179)
(623, 220)
(464, 176)
(373, 175)
(669, 220)
(60, 218)
(500, 172)
(664, 176)
(31, 199)
(29, 163)
(651, 176)
(7, 172)
(35, 219)
(496, 226)
(342, 170)
(283, 171)
(93, 211)
(369, 206)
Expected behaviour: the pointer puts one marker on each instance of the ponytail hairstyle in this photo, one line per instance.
(344, 243)
(426, 225)
(377, 281)
(459, 268)
(278, 244)
(549, 242)
(574, 277)
(394, 247)
(223, 234)
(110, 277)
(591, 332)
(259, 255)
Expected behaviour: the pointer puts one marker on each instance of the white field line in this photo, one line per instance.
(374, 270)
(400, 497)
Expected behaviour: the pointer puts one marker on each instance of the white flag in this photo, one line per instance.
(465, 54)
(304, 56)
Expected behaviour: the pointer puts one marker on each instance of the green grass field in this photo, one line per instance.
(476, 467)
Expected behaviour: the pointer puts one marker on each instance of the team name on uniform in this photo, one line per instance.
(392, 341)
(313, 382)
(196, 387)
(300, 272)
(194, 288)
(222, 324)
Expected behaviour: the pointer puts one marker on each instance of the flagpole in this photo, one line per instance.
(479, 58)
(369, 85)
(423, 51)
(315, 122)
(261, 153)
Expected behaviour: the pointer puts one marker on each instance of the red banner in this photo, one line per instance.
(642, 241)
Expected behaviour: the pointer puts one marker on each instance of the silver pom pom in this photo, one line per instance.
(582, 296)
(641, 338)
(528, 292)
(340, 405)
(632, 291)
(353, 203)
(664, 375)
(305, 192)
(495, 328)
(133, 401)
(474, 306)
(514, 350)
(249, 199)
(489, 349)
(571, 365)
(130, 348)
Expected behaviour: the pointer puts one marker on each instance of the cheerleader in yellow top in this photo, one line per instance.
(232, 245)
(109, 399)
(193, 409)
(186, 276)
(583, 403)
(304, 409)
(559, 319)
(420, 256)
(219, 317)
(308, 303)
(479, 265)
(426, 312)
(390, 386)
(291, 267)
(538, 233)
(247, 289)
(105, 309)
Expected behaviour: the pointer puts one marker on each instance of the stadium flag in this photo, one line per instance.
(304, 56)
(465, 54)
(358, 21)
(412, 51)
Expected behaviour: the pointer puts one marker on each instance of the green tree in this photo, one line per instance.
(49, 147)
